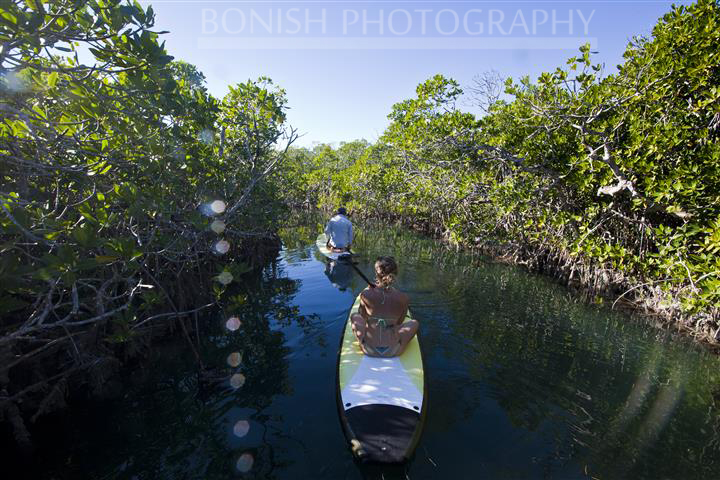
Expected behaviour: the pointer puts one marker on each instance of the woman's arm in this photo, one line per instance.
(362, 310)
(406, 304)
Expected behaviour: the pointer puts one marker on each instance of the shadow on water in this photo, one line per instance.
(524, 381)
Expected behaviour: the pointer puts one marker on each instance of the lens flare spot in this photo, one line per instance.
(234, 359)
(217, 226)
(218, 206)
(207, 136)
(14, 82)
(206, 210)
(222, 246)
(245, 462)
(237, 380)
(233, 323)
(241, 428)
(225, 278)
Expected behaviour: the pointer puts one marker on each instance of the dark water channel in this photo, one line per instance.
(524, 381)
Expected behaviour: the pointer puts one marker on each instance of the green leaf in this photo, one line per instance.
(106, 258)
(9, 17)
(85, 211)
(52, 79)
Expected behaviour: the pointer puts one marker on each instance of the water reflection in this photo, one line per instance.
(339, 273)
(545, 385)
(524, 381)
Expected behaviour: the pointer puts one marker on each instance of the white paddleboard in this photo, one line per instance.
(322, 246)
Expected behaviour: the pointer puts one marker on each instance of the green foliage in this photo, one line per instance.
(104, 165)
(616, 172)
(103, 168)
(313, 177)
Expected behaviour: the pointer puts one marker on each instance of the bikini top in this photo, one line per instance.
(382, 322)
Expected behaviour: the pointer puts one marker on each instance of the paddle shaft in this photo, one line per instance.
(362, 275)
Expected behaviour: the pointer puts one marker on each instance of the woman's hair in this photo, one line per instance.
(385, 271)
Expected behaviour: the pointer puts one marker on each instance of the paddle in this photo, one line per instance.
(352, 264)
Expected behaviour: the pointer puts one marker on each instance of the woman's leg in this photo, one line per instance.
(406, 332)
(359, 326)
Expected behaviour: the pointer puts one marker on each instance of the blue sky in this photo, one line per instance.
(380, 50)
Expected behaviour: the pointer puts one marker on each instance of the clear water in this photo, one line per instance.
(524, 381)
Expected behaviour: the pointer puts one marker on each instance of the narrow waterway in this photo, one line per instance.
(524, 381)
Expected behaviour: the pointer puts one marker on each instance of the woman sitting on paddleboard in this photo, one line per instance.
(379, 324)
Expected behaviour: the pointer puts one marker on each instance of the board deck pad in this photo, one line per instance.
(382, 399)
(321, 243)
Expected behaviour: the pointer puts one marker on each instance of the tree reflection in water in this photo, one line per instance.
(553, 386)
(525, 380)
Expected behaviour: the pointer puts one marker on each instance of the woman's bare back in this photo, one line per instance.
(379, 324)
(385, 303)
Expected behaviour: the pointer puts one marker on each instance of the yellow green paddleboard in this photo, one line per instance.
(381, 400)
